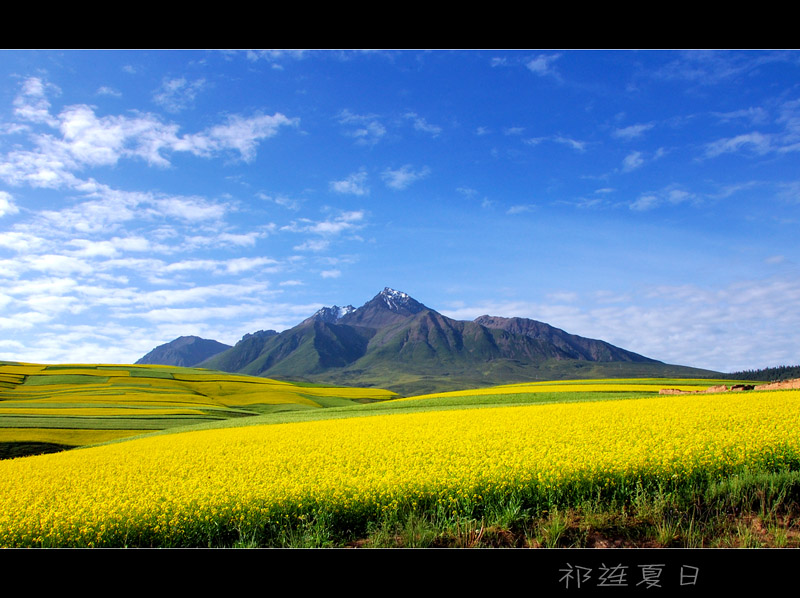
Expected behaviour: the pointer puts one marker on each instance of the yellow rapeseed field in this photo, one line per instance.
(185, 489)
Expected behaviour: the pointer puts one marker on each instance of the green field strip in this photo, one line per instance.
(42, 380)
(53, 409)
(151, 374)
(101, 423)
(328, 402)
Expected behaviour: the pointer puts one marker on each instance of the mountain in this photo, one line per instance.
(576, 347)
(396, 342)
(184, 351)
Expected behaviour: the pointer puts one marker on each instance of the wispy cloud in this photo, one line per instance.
(177, 94)
(354, 184)
(281, 200)
(367, 129)
(668, 196)
(422, 125)
(520, 209)
(32, 104)
(632, 161)
(275, 57)
(632, 131)
(756, 116)
(109, 91)
(313, 245)
(346, 221)
(757, 142)
(706, 67)
(578, 146)
(7, 205)
(542, 65)
(403, 177)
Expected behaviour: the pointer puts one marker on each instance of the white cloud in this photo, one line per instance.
(225, 239)
(239, 133)
(521, 209)
(669, 195)
(759, 143)
(177, 94)
(59, 264)
(513, 130)
(201, 314)
(366, 128)
(632, 161)
(109, 91)
(94, 141)
(403, 177)
(22, 242)
(281, 200)
(355, 184)
(645, 202)
(347, 221)
(579, 146)
(542, 64)
(330, 273)
(274, 55)
(632, 132)
(755, 115)
(189, 209)
(7, 205)
(32, 104)
(313, 245)
(88, 140)
(420, 124)
(231, 266)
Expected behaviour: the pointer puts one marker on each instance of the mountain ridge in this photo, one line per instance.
(184, 351)
(398, 343)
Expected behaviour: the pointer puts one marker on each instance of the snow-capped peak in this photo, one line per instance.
(332, 314)
(395, 299)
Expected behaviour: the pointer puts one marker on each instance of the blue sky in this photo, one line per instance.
(650, 199)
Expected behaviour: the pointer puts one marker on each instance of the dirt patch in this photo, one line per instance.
(785, 385)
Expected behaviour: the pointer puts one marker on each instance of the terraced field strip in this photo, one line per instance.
(644, 386)
(104, 396)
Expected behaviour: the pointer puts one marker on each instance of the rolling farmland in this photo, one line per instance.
(256, 462)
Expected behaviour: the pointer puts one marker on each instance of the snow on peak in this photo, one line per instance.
(332, 314)
(387, 292)
(396, 299)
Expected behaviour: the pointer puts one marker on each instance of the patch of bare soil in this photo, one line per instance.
(785, 385)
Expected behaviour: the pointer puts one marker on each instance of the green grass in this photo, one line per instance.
(37, 380)
(695, 516)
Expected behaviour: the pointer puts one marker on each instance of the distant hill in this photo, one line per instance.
(395, 342)
(184, 351)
